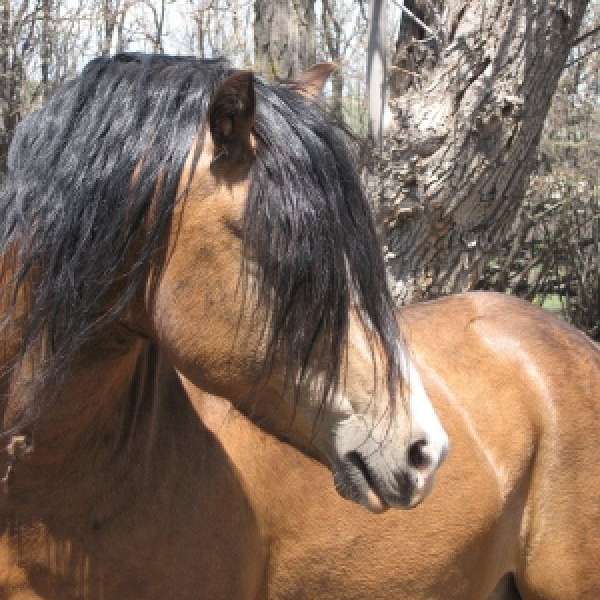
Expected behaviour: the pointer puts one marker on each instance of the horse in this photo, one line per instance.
(235, 513)
(514, 513)
(165, 213)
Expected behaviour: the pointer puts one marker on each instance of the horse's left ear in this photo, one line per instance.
(311, 82)
(231, 116)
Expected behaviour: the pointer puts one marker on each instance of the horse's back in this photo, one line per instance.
(523, 362)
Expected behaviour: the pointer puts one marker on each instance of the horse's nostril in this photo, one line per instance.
(418, 458)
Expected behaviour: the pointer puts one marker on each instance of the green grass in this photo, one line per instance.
(551, 302)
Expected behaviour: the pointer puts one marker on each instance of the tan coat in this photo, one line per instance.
(225, 511)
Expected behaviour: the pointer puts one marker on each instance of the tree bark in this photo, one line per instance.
(200, 25)
(17, 29)
(307, 38)
(332, 30)
(121, 42)
(158, 17)
(376, 70)
(109, 21)
(5, 100)
(45, 47)
(284, 37)
(467, 123)
(272, 39)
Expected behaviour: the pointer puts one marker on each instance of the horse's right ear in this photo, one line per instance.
(231, 116)
(311, 82)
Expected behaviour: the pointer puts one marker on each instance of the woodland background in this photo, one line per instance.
(485, 172)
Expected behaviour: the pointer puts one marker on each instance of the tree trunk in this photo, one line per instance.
(45, 49)
(16, 42)
(332, 30)
(159, 22)
(121, 42)
(4, 99)
(376, 67)
(284, 37)
(273, 42)
(109, 20)
(200, 25)
(464, 139)
(307, 39)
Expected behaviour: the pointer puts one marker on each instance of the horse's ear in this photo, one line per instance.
(311, 82)
(231, 116)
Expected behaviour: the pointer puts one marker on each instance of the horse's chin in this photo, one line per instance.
(374, 503)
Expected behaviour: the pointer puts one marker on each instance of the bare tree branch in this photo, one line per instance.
(582, 57)
(586, 35)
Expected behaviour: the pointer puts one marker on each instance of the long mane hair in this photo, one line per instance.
(82, 182)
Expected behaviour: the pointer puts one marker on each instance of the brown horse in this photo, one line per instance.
(233, 513)
(166, 213)
(515, 512)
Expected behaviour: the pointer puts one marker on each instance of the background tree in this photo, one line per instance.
(552, 253)
(17, 41)
(284, 34)
(41, 45)
(469, 82)
(467, 124)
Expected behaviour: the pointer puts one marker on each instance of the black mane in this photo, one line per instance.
(82, 183)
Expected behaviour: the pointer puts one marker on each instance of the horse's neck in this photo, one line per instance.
(214, 411)
(89, 430)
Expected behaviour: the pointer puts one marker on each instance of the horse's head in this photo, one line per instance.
(223, 219)
(273, 287)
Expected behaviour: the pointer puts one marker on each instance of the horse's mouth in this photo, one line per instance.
(363, 486)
